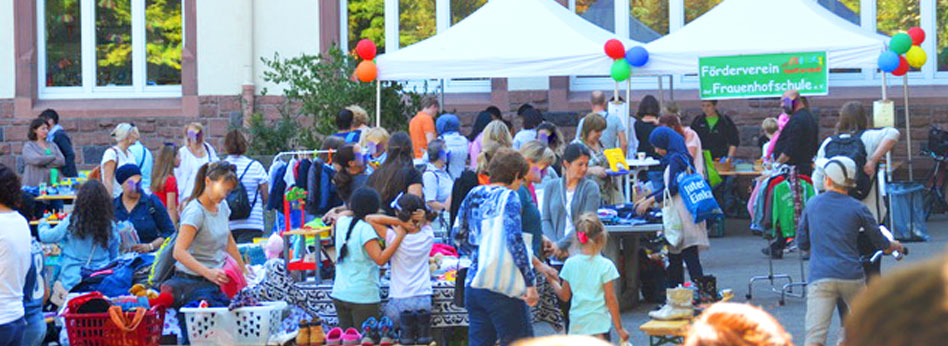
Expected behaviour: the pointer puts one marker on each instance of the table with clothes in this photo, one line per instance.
(627, 234)
(314, 298)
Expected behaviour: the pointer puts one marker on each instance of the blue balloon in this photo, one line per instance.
(637, 56)
(888, 61)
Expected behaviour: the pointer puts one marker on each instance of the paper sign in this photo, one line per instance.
(883, 113)
(765, 75)
(616, 159)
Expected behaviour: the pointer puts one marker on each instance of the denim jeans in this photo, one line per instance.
(35, 330)
(11, 334)
(494, 316)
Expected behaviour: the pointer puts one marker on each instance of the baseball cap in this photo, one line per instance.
(840, 169)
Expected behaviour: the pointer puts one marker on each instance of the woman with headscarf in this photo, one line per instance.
(477, 130)
(671, 146)
(449, 128)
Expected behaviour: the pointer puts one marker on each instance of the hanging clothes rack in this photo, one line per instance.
(304, 152)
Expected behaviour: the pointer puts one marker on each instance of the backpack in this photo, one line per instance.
(240, 205)
(851, 146)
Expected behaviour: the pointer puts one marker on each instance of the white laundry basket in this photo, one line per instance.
(243, 326)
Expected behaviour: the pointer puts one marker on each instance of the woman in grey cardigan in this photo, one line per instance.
(566, 198)
(40, 156)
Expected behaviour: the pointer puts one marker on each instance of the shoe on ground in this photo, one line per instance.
(302, 337)
(317, 337)
(678, 305)
(334, 338)
(351, 337)
(370, 332)
(387, 334)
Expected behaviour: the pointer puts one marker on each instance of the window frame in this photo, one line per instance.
(89, 89)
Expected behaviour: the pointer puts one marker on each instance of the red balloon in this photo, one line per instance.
(366, 71)
(917, 35)
(366, 49)
(614, 49)
(903, 67)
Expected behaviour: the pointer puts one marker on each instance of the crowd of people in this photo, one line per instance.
(400, 193)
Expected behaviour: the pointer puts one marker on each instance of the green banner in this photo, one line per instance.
(765, 75)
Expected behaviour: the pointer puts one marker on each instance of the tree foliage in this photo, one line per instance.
(893, 16)
(942, 23)
(652, 13)
(695, 8)
(320, 86)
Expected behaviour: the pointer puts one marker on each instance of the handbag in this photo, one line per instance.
(713, 177)
(697, 196)
(671, 222)
(494, 255)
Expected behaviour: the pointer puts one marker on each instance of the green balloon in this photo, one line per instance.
(900, 43)
(621, 70)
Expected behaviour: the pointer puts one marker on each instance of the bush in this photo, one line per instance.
(321, 86)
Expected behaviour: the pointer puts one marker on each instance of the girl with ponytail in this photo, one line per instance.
(409, 297)
(204, 240)
(355, 291)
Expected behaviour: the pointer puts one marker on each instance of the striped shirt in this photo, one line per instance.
(252, 180)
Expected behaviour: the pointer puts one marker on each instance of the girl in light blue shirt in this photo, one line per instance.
(588, 280)
(355, 291)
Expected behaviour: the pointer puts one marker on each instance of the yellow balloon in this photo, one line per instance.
(916, 56)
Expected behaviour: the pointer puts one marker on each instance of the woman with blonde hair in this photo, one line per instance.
(374, 142)
(495, 135)
(124, 135)
(360, 118)
(193, 155)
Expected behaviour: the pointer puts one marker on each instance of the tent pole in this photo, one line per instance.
(885, 86)
(671, 87)
(628, 115)
(441, 101)
(615, 92)
(908, 125)
(378, 103)
(661, 95)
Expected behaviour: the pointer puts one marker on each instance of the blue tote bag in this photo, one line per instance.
(697, 196)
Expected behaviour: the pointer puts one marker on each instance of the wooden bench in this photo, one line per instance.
(665, 332)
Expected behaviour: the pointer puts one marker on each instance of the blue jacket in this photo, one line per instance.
(149, 217)
(76, 252)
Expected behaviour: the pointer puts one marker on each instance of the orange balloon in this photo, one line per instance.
(366, 71)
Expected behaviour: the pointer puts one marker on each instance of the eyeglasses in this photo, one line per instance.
(169, 144)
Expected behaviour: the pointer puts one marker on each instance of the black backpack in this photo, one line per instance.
(851, 146)
(240, 205)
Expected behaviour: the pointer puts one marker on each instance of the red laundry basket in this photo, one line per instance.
(100, 330)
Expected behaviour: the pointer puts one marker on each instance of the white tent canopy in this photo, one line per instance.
(506, 38)
(746, 27)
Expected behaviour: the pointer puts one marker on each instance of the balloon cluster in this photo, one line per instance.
(892, 61)
(366, 71)
(624, 59)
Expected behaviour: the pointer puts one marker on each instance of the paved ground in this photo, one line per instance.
(736, 258)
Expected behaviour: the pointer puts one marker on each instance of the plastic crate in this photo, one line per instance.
(99, 330)
(242, 326)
